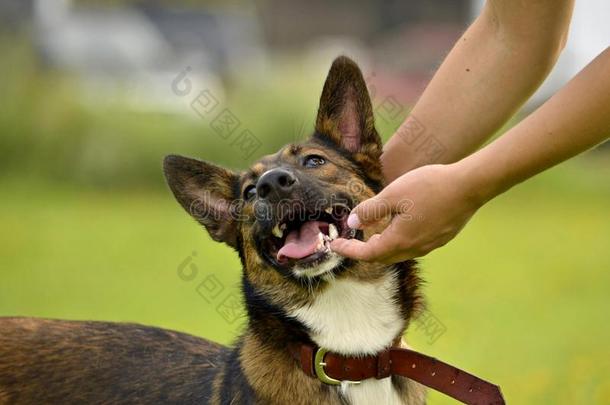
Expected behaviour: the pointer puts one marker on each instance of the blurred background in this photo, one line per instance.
(95, 93)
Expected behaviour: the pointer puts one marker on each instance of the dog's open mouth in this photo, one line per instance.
(303, 238)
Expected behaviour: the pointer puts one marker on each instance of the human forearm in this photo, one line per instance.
(492, 69)
(444, 197)
(572, 121)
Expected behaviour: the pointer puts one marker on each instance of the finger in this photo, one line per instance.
(372, 250)
(402, 257)
(369, 211)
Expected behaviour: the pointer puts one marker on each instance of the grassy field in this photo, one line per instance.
(89, 232)
(521, 297)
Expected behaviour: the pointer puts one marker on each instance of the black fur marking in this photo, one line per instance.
(409, 286)
(268, 321)
(376, 186)
(234, 383)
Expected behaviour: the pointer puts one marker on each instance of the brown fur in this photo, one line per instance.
(66, 362)
(88, 362)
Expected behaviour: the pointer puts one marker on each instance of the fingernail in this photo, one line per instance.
(353, 221)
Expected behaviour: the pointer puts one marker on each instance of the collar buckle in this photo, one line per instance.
(319, 365)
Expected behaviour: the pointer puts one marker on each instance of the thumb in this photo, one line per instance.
(369, 212)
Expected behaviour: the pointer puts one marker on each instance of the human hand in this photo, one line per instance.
(429, 206)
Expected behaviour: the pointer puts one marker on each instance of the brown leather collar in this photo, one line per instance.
(333, 368)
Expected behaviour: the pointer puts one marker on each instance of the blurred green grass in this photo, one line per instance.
(522, 292)
(89, 232)
(51, 130)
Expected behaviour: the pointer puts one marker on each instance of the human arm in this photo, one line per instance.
(446, 196)
(491, 71)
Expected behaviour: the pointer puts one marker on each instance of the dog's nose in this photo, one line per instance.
(276, 183)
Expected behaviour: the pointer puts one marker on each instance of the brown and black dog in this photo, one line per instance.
(280, 216)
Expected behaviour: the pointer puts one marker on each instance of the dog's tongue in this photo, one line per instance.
(301, 242)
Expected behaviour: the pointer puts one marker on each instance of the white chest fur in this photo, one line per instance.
(354, 317)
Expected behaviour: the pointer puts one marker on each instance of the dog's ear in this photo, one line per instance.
(345, 114)
(207, 193)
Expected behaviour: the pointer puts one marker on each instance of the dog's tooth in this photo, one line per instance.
(283, 226)
(332, 231)
(320, 241)
(329, 210)
(277, 231)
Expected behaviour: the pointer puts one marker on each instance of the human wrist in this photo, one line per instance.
(477, 179)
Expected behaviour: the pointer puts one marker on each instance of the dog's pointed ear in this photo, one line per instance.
(345, 114)
(206, 192)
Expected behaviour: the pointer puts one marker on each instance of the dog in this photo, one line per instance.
(306, 306)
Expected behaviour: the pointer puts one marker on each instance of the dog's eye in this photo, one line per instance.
(250, 192)
(313, 161)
